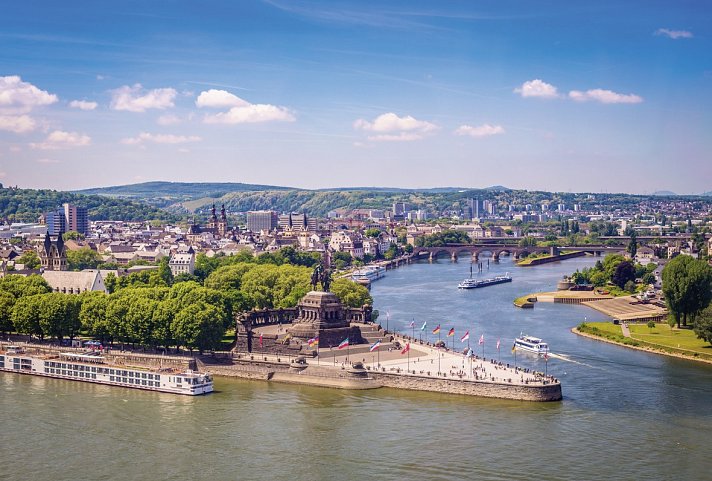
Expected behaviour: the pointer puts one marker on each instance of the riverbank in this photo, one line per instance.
(536, 261)
(640, 345)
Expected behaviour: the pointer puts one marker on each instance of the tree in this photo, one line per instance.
(687, 285)
(7, 302)
(29, 259)
(199, 326)
(632, 245)
(373, 232)
(25, 315)
(164, 271)
(651, 325)
(84, 258)
(92, 314)
(703, 324)
(350, 293)
(110, 282)
(624, 273)
(72, 235)
(629, 287)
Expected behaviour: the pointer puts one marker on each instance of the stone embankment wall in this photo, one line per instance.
(548, 392)
(546, 260)
(325, 377)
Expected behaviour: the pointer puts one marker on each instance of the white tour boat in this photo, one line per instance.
(369, 273)
(531, 344)
(91, 367)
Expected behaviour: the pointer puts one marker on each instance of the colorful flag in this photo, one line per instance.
(260, 339)
(314, 341)
(375, 346)
(412, 324)
(514, 346)
(425, 323)
(451, 332)
(465, 337)
(546, 356)
(497, 344)
(437, 329)
(406, 348)
(482, 339)
(344, 343)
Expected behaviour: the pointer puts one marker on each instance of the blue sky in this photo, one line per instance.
(599, 96)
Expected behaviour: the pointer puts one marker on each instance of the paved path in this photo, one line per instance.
(624, 328)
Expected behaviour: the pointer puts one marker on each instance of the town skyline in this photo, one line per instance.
(317, 95)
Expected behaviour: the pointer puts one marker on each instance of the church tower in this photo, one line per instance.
(53, 253)
(222, 225)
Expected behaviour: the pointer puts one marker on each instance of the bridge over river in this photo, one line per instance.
(515, 250)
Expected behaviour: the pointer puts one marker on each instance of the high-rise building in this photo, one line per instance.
(293, 221)
(76, 218)
(400, 208)
(56, 222)
(476, 209)
(258, 220)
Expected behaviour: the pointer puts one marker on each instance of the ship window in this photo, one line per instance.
(111, 378)
(143, 375)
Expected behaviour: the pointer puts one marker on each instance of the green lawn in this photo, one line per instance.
(661, 337)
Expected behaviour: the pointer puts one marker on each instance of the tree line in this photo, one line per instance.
(151, 308)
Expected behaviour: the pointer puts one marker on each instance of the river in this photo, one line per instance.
(625, 414)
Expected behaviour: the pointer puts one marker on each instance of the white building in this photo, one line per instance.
(182, 263)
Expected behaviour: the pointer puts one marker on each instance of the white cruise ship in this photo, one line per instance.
(89, 367)
(370, 273)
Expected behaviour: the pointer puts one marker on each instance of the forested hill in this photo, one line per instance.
(26, 205)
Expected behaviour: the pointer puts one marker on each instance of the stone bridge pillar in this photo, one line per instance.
(475, 257)
(515, 255)
(453, 257)
(430, 257)
(495, 256)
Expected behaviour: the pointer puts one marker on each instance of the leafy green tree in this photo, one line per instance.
(687, 285)
(29, 259)
(527, 242)
(228, 277)
(629, 287)
(350, 293)
(632, 245)
(703, 324)
(7, 302)
(164, 271)
(624, 273)
(84, 258)
(199, 326)
(110, 282)
(26, 315)
(54, 314)
(92, 314)
(373, 232)
(72, 235)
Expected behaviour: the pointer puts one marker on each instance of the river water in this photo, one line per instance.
(625, 414)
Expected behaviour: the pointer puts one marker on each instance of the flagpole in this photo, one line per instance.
(412, 328)
(408, 346)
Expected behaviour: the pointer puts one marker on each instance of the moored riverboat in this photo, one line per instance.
(91, 367)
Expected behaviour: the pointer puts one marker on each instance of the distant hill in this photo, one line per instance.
(663, 193)
(163, 194)
(707, 194)
(26, 205)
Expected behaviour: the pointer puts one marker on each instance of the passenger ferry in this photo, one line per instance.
(369, 274)
(471, 283)
(91, 367)
(531, 344)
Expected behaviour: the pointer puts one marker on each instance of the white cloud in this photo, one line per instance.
(47, 161)
(137, 99)
(537, 88)
(240, 111)
(60, 139)
(390, 122)
(219, 99)
(251, 113)
(604, 96)
(82, 105)
(484, 130)
(160, 139)
(168, 120)
(674, 34)
(18, 124)
(18, 97)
